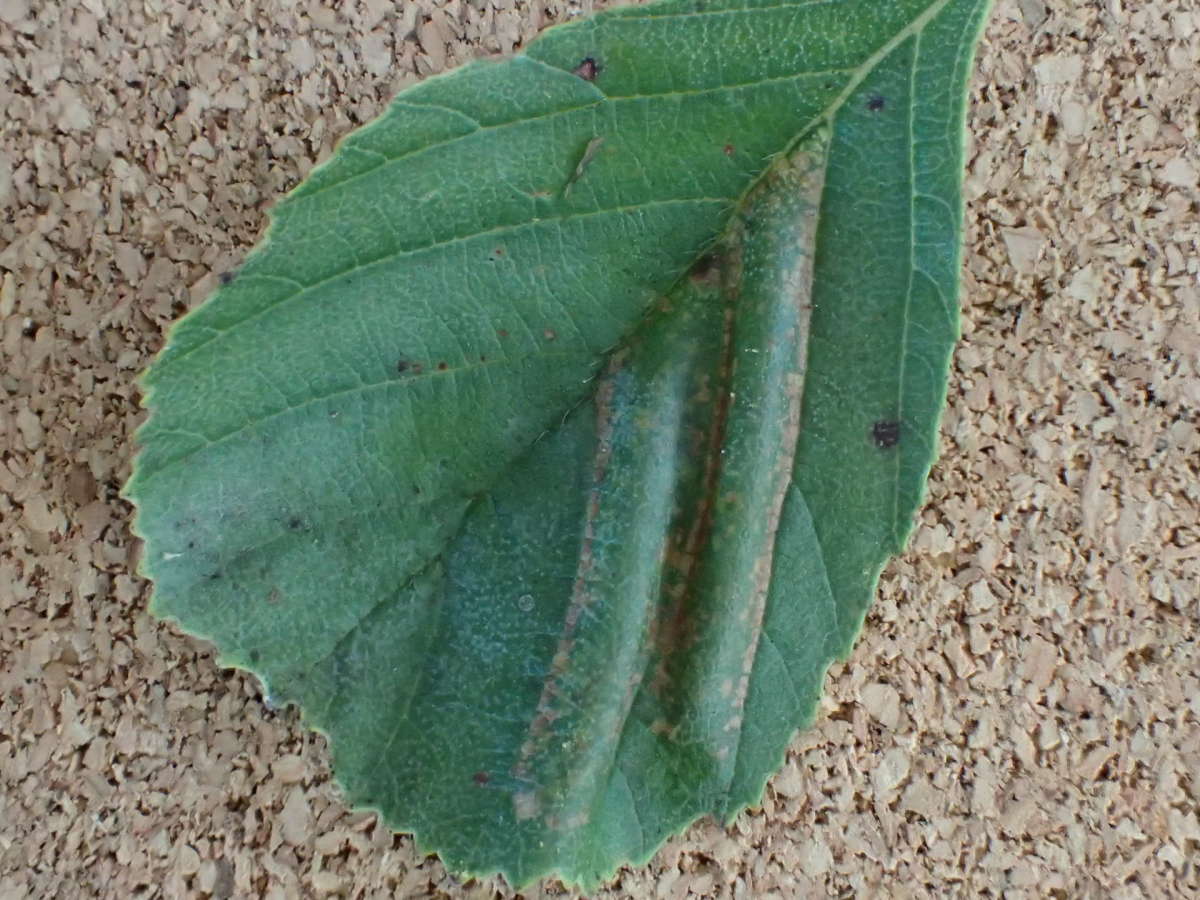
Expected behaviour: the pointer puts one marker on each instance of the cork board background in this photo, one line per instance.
(1022, 715)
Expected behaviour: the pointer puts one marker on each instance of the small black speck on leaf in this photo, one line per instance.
(226, 277)
(402, 366)
(442, 367)
(875, 103)
(295, 523)
(886, 433)
(255, 656)
(481, 778)
(587, 69)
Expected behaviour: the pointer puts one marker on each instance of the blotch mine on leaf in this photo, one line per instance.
(706, 270)
(587, 69)
(885, 433)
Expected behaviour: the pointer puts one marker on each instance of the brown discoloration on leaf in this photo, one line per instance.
(587, 69)
(676, 628)
(804, 175)
(706, 270)
(715, 548)
(581, 596)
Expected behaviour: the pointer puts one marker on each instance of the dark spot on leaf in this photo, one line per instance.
(550, 334)
(496, 254)
(728, 149)
(875, 103)
(481, 778)
(255, 656)
(227, 277)
(587, 69)
(483, 358)
(503, 332)
(885, 433)
(706, 269)
(403, 366)
(213, 576)
(295, 523)
(442, 367)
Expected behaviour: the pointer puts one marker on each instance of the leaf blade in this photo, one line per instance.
(392, 465)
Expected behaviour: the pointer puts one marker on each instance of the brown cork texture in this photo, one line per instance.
(1021, 717)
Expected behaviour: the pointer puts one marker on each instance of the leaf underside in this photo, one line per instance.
(549, 449)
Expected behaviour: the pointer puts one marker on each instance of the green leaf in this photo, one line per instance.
(549, 449)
